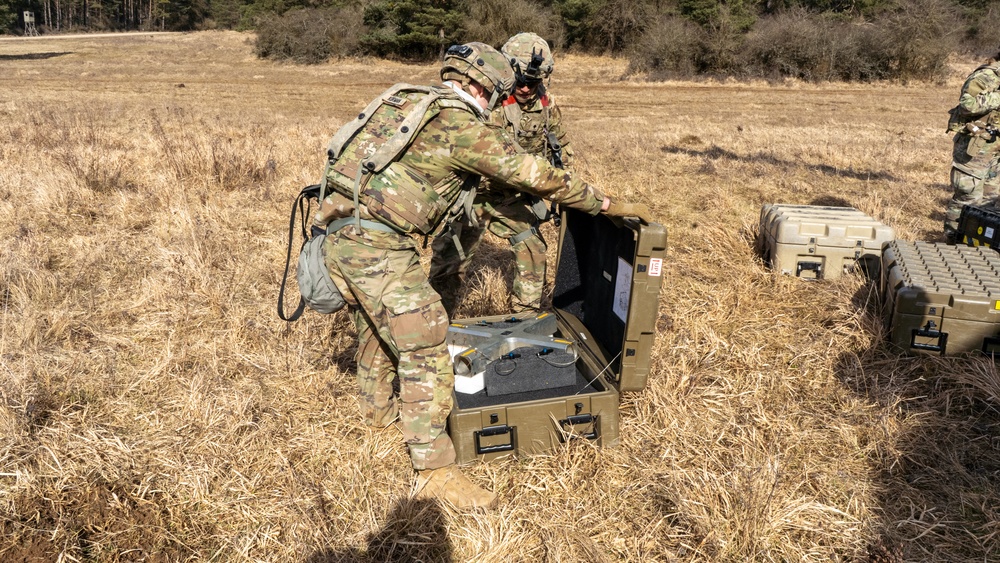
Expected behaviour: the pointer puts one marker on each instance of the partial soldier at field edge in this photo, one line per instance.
(976, 153)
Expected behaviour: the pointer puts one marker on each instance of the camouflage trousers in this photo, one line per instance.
(974, 179)
(448, 271)
(402, 328)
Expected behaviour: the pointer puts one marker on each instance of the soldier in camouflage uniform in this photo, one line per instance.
(533, 120)
(976, 154)
(372, 258)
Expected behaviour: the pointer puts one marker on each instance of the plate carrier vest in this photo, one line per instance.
(372, 142)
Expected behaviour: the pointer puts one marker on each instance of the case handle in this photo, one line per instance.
(991, 346)
(496, 431)
(929, 331)
(576, 419)
(816, 267)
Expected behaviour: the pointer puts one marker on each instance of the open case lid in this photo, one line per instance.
(608, 278)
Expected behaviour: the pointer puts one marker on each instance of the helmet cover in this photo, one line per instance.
(481, 63)
(530, 57)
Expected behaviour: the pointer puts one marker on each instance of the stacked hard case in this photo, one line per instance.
(605, 301)
(940, 299)
(819, 242)
(979, 226)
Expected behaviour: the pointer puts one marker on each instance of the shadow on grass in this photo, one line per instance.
(935, 460)
(718, 153)
(33, 56)
(414, 530)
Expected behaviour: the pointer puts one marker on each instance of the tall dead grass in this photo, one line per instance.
(153, 407)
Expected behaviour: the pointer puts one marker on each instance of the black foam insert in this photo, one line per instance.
(530, 368)
(581, 385)
(585, 280)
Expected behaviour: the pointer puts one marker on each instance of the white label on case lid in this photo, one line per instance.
(655, 267)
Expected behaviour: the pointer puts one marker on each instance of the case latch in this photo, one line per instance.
(991, 346)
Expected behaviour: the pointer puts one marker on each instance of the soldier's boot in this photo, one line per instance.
(950, 236)
(450, 484)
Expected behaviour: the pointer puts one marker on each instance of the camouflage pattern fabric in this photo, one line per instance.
(981, 187)
(414, 193)
(503, 214)
(528, 123)
(976, 157)
(400, 320)
(520, 49)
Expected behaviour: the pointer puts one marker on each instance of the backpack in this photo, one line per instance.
(316, 287)
(373, 142)
(361, 148)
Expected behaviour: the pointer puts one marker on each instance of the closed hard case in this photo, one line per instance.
(941, 299)
(979, 226)
(819, 242)
(606, 300)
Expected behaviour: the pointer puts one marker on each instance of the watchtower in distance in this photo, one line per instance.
(29, 24)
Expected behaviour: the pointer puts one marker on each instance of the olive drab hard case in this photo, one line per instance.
(941, 299)
(980, 226)
(819, 242)
(605, 301)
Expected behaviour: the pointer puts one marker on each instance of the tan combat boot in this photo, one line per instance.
(450, 484)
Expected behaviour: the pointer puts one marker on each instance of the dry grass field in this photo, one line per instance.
(154, 408)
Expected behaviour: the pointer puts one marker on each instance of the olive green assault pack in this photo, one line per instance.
(368, 145)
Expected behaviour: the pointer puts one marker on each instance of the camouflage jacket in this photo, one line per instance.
(980, 96)
(415, 192)
(528, 124)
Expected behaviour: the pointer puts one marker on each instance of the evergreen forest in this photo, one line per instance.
(854, 40)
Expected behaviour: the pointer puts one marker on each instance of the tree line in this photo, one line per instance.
(808, 39)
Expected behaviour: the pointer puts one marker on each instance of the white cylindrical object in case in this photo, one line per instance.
(470, 383)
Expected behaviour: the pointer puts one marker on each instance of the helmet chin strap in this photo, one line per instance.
(493, 99)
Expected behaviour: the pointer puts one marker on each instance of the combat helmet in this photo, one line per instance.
(530, 57)
(481, 63)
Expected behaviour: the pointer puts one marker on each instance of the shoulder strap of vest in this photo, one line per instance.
(396, 144)
(512, 111)
(348, 130)
(994, 66)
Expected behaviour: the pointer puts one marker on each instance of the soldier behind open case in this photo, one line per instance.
(369, 218)
(531, 117)
(976, 154)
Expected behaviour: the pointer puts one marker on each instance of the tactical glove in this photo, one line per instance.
(621, 209)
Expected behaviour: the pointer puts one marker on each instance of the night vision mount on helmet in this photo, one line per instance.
(530, 57)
